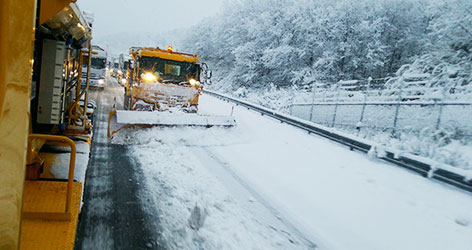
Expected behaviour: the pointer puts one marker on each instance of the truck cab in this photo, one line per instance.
(162, 79)
(98, 69)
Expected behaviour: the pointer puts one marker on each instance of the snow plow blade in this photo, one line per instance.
(126, 118)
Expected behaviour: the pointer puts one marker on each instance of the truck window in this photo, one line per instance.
(171, 69)
(98, 63)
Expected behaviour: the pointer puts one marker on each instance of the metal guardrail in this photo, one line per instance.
(409, 162)
(394, 116)
(385, 103)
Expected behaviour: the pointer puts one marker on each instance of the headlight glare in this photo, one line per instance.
(150, 77)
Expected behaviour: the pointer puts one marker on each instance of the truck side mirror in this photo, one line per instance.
(208, 75)
(204, 67)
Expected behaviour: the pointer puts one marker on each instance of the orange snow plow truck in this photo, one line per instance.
(163, 88)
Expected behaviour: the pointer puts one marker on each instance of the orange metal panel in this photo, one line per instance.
(174, 56)
(16, 57)
(49, 196)
(4, 34)
(49, 8)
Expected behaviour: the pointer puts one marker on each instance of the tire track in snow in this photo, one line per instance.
(253, 200)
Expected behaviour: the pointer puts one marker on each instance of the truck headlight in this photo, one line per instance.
(192, 82)
(123, 81)
(150, 77)
(101, 81)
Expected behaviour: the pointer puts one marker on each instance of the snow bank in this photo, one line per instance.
(342, 197)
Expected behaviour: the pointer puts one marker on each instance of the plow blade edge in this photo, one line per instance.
(126, 118)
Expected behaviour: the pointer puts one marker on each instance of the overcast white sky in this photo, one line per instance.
(116, 16)
(120, 24)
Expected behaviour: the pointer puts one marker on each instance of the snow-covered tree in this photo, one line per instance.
(264, 43)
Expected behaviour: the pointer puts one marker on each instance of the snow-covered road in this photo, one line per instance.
(343, 198)
(266, 185)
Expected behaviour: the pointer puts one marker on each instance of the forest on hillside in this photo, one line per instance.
(284, 53)
(284, 44)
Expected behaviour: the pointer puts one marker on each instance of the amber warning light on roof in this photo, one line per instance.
(169, 48)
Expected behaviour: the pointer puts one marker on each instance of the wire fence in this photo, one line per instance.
(406, 104)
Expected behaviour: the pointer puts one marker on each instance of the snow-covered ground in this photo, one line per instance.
(59, 162)
(416, 129)
(266, 185)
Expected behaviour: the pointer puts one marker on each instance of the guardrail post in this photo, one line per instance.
(312, 103)
(398, 103)
(366, 92)
(336, 104)
(365, 98)
(441, 106)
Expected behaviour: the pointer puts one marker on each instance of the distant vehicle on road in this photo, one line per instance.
(98, 69)
(123, 69)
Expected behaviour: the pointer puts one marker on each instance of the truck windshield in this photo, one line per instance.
(98, 63)
(170, 70)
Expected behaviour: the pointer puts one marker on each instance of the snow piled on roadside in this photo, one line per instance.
(196, 210)
(448, 145)
(347, 200)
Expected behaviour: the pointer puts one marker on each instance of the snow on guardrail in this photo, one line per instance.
(426, 167)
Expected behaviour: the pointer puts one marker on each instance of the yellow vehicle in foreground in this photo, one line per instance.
(44, 116)
(168, 83)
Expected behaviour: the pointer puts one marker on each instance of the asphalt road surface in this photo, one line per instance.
(116, 213)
